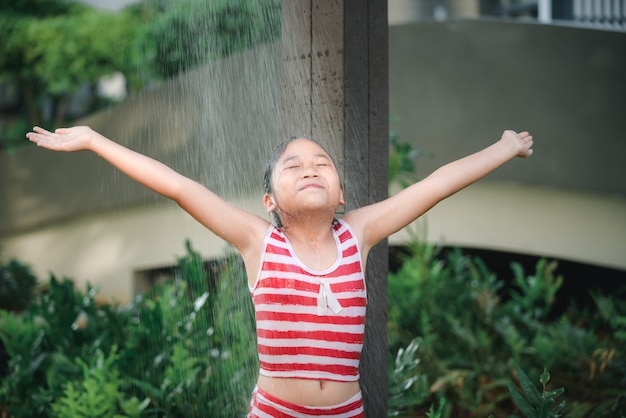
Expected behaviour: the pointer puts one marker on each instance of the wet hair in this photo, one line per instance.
(271, 165)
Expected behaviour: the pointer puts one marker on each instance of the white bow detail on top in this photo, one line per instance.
(326, 298)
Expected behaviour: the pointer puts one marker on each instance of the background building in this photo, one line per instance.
(460, 73)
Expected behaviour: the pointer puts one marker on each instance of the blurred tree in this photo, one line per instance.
(182, 34)
(53, 48)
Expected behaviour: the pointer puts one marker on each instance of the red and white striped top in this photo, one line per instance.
(310, 323)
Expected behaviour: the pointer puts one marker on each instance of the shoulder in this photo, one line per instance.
(346, 234)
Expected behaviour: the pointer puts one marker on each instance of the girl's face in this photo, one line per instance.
(304, 180)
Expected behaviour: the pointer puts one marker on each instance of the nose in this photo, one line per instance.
(310, 170)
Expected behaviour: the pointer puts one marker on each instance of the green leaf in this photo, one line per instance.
(527, 409)
(532, 393)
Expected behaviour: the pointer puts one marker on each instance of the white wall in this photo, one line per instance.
(100, 250)
(107, 249)
(575, 226)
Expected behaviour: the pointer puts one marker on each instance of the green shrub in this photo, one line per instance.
(407, 386)
(44, 343)
(170, 353)
(190, 347)
(535, 404)
(98, 393)
(457, 334)
(17, 286)
(474, 328)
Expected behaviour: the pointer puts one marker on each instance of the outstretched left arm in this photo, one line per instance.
(376, 222)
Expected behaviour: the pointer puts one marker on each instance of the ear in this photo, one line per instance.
(269, 203)
(342, 202)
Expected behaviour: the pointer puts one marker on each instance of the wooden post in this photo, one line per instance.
(366, 144)
(335, 90)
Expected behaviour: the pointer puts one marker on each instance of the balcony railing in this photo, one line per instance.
(595, 14)
(601, 14)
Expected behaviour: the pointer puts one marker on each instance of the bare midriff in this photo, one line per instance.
(309, 392)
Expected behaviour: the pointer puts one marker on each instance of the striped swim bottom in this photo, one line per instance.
(264, 405)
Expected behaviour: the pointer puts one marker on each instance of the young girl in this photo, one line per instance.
(305, 271)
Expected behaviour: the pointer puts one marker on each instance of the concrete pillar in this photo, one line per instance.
(335, 89)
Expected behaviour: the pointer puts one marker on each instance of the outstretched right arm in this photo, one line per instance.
(240, 228)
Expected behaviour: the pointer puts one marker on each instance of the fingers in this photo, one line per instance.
(525, 136)
(38, 135)
(524, 140)
(527, 139)
(41, 130)
(42, 137)
(37, 138)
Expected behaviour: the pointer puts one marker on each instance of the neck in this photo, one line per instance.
(308, 230)
(313, 243)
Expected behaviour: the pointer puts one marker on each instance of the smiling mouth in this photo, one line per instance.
(311, 186)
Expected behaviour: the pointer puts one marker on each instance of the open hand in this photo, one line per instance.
(63, 139)
(523, 142)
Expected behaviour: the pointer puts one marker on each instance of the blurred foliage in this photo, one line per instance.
(18, 286)
(99, 393)
(406, 386)
(535, 404)
(475, 328)
(402, 159)
(462, 336)
(179, 35)
(54, 52)
(464, 340)
(167, 354)
(52, 48)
